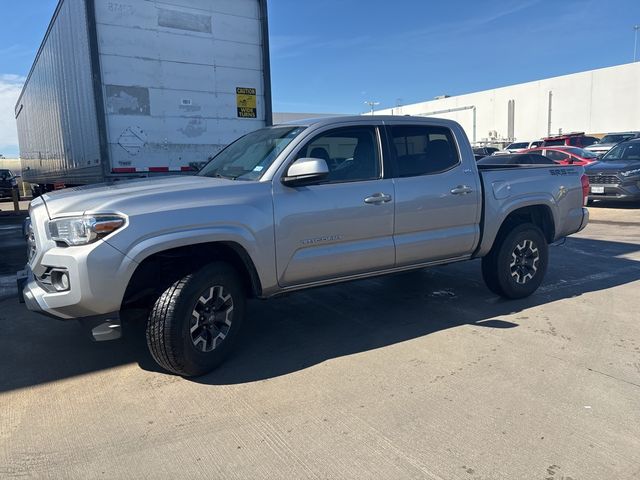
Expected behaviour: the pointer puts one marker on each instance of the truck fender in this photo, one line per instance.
(182, 238)
(494, 220)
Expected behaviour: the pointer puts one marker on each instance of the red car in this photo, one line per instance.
(566, 155)
(577, 139)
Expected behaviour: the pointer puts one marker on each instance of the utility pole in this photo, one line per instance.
(372, 106)
(397, 107)
(635, 42)
(549, 113)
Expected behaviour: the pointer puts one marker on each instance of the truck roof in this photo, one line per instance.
(565, 135)
(360, 118)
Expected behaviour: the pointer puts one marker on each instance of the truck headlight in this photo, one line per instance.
(83, 230)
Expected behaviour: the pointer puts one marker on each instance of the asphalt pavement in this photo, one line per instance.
(13, 253)
(419, 375)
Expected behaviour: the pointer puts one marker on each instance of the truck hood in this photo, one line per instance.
(129, 195)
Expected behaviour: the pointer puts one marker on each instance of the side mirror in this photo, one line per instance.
(306, 171)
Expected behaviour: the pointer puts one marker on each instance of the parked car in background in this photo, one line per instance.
(481, 152)
(516, 147)
(617, 175)
(610, 140)
(577, 139)
(566, 155)
(8, 183)
(516, 159)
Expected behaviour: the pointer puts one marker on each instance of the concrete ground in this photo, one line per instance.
(6, 206)
(420, 375)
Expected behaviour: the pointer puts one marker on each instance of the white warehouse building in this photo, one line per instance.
(594, 102)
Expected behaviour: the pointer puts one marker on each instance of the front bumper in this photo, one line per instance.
(102, 327)
(96, 274)
(621, 192)
(95, 277)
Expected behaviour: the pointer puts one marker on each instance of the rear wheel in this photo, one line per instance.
(517, 263)
(195, 322)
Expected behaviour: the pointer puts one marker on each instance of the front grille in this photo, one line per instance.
(604, 180)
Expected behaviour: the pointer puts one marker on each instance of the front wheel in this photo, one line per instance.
(517, 263)
(195, 322)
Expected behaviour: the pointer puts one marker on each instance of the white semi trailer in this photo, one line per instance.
(132, 88)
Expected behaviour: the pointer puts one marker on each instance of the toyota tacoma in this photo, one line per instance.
(286, 208)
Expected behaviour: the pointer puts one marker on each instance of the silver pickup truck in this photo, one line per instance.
(287, 208)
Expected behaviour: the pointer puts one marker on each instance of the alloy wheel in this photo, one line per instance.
(211, 318)
(524, 261)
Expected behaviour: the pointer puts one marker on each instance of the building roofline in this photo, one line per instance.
(511, 85)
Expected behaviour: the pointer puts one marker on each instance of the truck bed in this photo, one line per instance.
(507, 185)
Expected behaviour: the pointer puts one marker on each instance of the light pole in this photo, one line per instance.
(635, 41)
(372, 105)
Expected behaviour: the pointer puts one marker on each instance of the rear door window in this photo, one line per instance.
(537, 159)
(556, 156)
(423, 149)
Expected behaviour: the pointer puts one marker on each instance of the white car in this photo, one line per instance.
(609, 141)
(517, 147)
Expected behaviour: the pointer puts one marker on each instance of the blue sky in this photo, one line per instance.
(333, 55)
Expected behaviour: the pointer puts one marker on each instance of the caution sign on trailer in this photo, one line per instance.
(247, 103)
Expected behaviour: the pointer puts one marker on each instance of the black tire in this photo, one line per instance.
(169, 333)
(517, 263)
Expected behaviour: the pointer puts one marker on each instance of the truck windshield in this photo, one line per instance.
(626, 152)
(615, 138)
(250, 156)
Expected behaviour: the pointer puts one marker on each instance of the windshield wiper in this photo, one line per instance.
(219, 175)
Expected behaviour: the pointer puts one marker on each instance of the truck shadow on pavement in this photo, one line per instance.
(291, 333)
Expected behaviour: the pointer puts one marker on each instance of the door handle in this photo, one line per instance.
(461, 190)
(378, 199)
